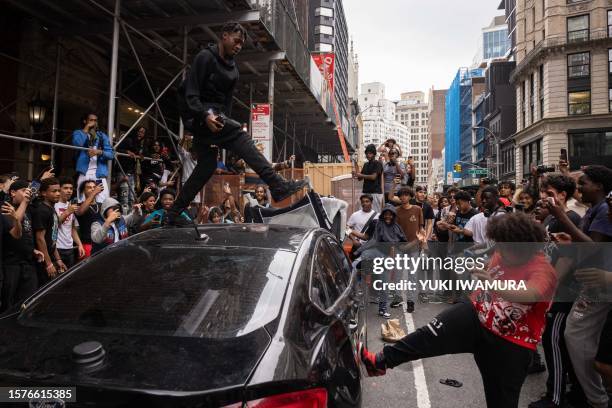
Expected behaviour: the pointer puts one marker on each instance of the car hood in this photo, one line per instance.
(154, 364)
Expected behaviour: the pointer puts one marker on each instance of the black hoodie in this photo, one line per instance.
(209, 85)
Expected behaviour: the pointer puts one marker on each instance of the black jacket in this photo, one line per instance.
(209, 85)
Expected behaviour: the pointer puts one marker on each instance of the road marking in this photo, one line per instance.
(420, 382)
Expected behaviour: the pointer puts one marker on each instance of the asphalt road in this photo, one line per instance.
(400, 389)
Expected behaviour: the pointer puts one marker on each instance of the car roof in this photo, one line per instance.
(264, 236)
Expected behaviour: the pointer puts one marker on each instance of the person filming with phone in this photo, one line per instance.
(92, 164)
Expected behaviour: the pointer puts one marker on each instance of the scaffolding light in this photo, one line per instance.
(136, 110)
(130, 108)
(37, 111)
(45, 157)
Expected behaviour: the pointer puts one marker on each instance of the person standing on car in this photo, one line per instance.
(205, 104)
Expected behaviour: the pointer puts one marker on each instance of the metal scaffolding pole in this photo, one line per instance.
(112, 93)
(181, 124)
(65, 146)
(140, 33)
(149, 108)
(151, 91)
(271, 102)
(55, 99)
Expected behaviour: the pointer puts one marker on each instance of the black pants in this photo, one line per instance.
(20, 281)
(67, 256)
(557, 358)
(231, 138)
(502, 365)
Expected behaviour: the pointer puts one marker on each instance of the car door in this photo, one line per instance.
(331, 278)
(355, 317)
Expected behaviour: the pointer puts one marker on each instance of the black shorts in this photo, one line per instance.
(604, 354)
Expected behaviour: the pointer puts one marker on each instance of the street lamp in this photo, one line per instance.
(497, 143)
(37, 110)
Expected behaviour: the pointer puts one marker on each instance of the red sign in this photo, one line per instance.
(325, 62)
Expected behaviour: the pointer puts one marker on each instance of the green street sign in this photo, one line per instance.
(477, 172)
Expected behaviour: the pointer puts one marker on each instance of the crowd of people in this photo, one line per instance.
(564, 306)
(50, 223)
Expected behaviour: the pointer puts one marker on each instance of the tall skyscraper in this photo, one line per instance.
(458, 124)
(436, 108)
(328, 33)
(412, 111)
(378, 118)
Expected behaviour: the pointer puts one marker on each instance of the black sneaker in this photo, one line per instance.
(410, 306)
(544, 402)
(286, 189)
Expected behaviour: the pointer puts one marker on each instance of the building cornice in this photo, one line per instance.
(561, 124)
(556, 45)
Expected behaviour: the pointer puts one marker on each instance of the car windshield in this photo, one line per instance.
(210, 292)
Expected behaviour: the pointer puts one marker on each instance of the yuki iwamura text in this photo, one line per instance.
(413, 264)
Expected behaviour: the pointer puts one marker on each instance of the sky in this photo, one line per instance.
(412, 45)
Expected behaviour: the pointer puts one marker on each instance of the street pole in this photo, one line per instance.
(497, 143)
(55, 99)
(112, 93)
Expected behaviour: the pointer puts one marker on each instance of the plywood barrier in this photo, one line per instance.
(321, 174)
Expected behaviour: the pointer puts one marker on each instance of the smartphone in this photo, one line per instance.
(519, 208)
(564, 154)
(74, 200)
(98, 182)
(34, 187)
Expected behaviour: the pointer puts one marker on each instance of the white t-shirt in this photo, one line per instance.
(359, 219)
(478, 225)
(188, 163)
(64, 233)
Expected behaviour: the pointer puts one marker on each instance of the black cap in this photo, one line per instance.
(18, 185)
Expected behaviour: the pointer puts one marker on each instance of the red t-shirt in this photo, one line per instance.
(519, 323)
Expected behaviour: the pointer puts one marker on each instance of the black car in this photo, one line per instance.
(239, 315)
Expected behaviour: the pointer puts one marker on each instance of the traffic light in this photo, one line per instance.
(457, 168)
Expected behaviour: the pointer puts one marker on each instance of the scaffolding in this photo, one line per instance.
(154, 38)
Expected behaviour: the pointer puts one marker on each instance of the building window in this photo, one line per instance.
(579, 102)
(324, 29)
(324, 47)
(610, 78)
(541, 93)
(578, 28)
(524, 100)
(589, 147)
(609, 23)
(532, 156)
(324, 11)
(579, 65)
(532, 98)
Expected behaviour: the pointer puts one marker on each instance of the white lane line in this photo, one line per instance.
(420, 382)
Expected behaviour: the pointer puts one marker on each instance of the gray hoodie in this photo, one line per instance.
(99, 230)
